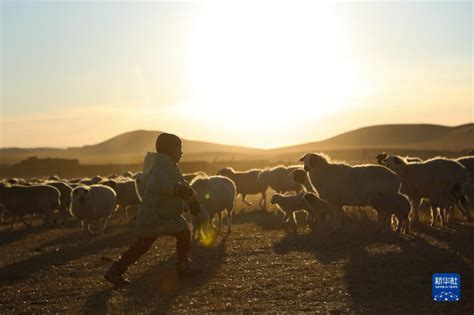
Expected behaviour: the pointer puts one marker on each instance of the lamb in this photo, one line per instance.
(279, 178)
(65, 199)
(126, 192)
(91, 204)
(386, 205)
(19, 200)
(427, 179)
(344, 185)
(289, 204)
(247, 183)
(215, 194)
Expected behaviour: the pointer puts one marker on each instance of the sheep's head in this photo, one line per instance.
(275, 199)
(226, 171)
(81, 194)
(299, 176)
(394, 162)
(381, 157)
(312, 160)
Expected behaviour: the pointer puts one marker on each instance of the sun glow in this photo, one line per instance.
(266, 64)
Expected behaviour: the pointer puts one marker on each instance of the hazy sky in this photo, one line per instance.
(255, 73)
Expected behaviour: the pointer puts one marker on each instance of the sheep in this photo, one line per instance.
(468, 163)
(300, 176)
(19, 200)
(382, 156)
(247, 183)
(289, 205)
(65, 199)
(215, 194)
(279, 178)
(426, 179)
(190, 176)
(344, 185)
(140, 183)
(386, 205)
(127, 195)
(92, 204)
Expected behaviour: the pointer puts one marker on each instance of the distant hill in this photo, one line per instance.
(130, 147)
(416, 136)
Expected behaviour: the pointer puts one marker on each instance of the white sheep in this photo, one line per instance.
(247, 183)
(344, 185)
(91, 204)
(427, 179)
(386, 205)
(215, 194)
(19, 200)
(289, 205)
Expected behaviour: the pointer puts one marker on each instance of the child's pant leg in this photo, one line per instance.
(183, 245)
(134, 252)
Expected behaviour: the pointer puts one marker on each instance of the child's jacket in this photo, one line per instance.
(160, 210)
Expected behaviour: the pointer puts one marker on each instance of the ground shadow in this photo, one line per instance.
(22, 269)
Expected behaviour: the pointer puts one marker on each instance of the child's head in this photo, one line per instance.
(169, 144)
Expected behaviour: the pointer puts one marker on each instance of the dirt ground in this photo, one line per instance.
(256, 268)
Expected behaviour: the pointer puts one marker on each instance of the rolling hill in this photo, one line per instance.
(130, 147)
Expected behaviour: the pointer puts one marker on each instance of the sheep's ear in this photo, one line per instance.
(302, 158)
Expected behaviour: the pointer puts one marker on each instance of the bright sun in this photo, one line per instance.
(271, 61)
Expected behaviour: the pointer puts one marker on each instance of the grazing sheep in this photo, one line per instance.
(215, 194)
(386, 205)
(19, 200)
(247, 183)
(127, 195)
(289, 204)
(280, 179)
(427, 179)
(92, 204)
(65, 198)
(344, 185)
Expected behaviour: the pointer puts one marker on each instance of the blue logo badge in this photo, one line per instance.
(446, 287)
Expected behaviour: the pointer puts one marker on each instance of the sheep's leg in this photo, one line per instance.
(248, 203)
(434, 215)
(285, 218)
(416, 209)
(126, 213)
(263, 201)
(229, 220)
